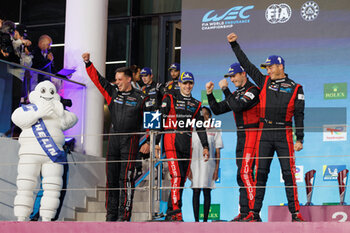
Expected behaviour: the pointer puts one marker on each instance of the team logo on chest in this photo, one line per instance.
(286, 89)
(273, 87)
(119, 99)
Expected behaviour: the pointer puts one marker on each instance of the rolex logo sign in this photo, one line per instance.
(335, 91)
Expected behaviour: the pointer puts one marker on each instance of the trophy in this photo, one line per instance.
(342, 181)
(309, 181)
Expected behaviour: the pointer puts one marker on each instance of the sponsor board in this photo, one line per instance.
(299, 174)
(335, 91)
(217, 94)
(214, 212)
(235, 15)
(278, 13)
(330, 172)
(309, 11)
(333, 133)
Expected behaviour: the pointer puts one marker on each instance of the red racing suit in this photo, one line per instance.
(176, 109)
(244, 103)
(280, 101)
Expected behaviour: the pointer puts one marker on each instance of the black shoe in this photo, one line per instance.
(252, 217)
(111, 218)
(34, 219)
(121, 220)
(296, 217)
(173, 219)
(239, 217)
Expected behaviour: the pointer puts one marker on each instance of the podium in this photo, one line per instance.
(315, 213)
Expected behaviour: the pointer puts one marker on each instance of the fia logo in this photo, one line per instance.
(309, 11)
(151, 120)
(278, 13)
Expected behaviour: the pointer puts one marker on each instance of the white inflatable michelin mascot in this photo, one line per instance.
(41, 141)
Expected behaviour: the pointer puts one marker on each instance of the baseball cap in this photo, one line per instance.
(186, 77)
(271, 60)
(146, 71)
(235, 68)
(174, 66)
(22, 30)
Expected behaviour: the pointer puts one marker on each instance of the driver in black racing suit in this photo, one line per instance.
(126, 105)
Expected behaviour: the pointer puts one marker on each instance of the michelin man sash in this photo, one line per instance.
(44, 138)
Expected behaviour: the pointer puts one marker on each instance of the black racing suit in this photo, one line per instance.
(177, 111)
(280, 100)
(155, 92)
(127, 117)
(244, 103)
(172, 86)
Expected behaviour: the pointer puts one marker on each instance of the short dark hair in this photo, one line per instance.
(8, 27)
(134, 68)
(127, 71)
(208, 109)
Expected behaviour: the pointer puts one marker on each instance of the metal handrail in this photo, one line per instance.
(150, 172)
(144, 175)
(41, 72)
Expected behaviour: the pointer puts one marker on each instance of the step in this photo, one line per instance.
(139, 195)
(143, 207)
(96, 207)
(101, 195)
(90, 217)
(139, 217)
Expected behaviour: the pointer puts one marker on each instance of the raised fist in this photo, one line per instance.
(209, 86)
(232, 37)
(223, 84)
(86, 57)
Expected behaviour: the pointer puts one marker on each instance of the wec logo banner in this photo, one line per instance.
(235, 15)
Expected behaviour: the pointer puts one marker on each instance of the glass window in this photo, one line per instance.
(58, 53)
(144, 7)
(43, 12)
(11, 10)
(117, 40)
(173, 45)
(110, 71)
(55, 32)
(118, 8)
(144, 45)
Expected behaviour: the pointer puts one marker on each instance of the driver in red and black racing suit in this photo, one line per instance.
(178, 109)
(281, 99)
